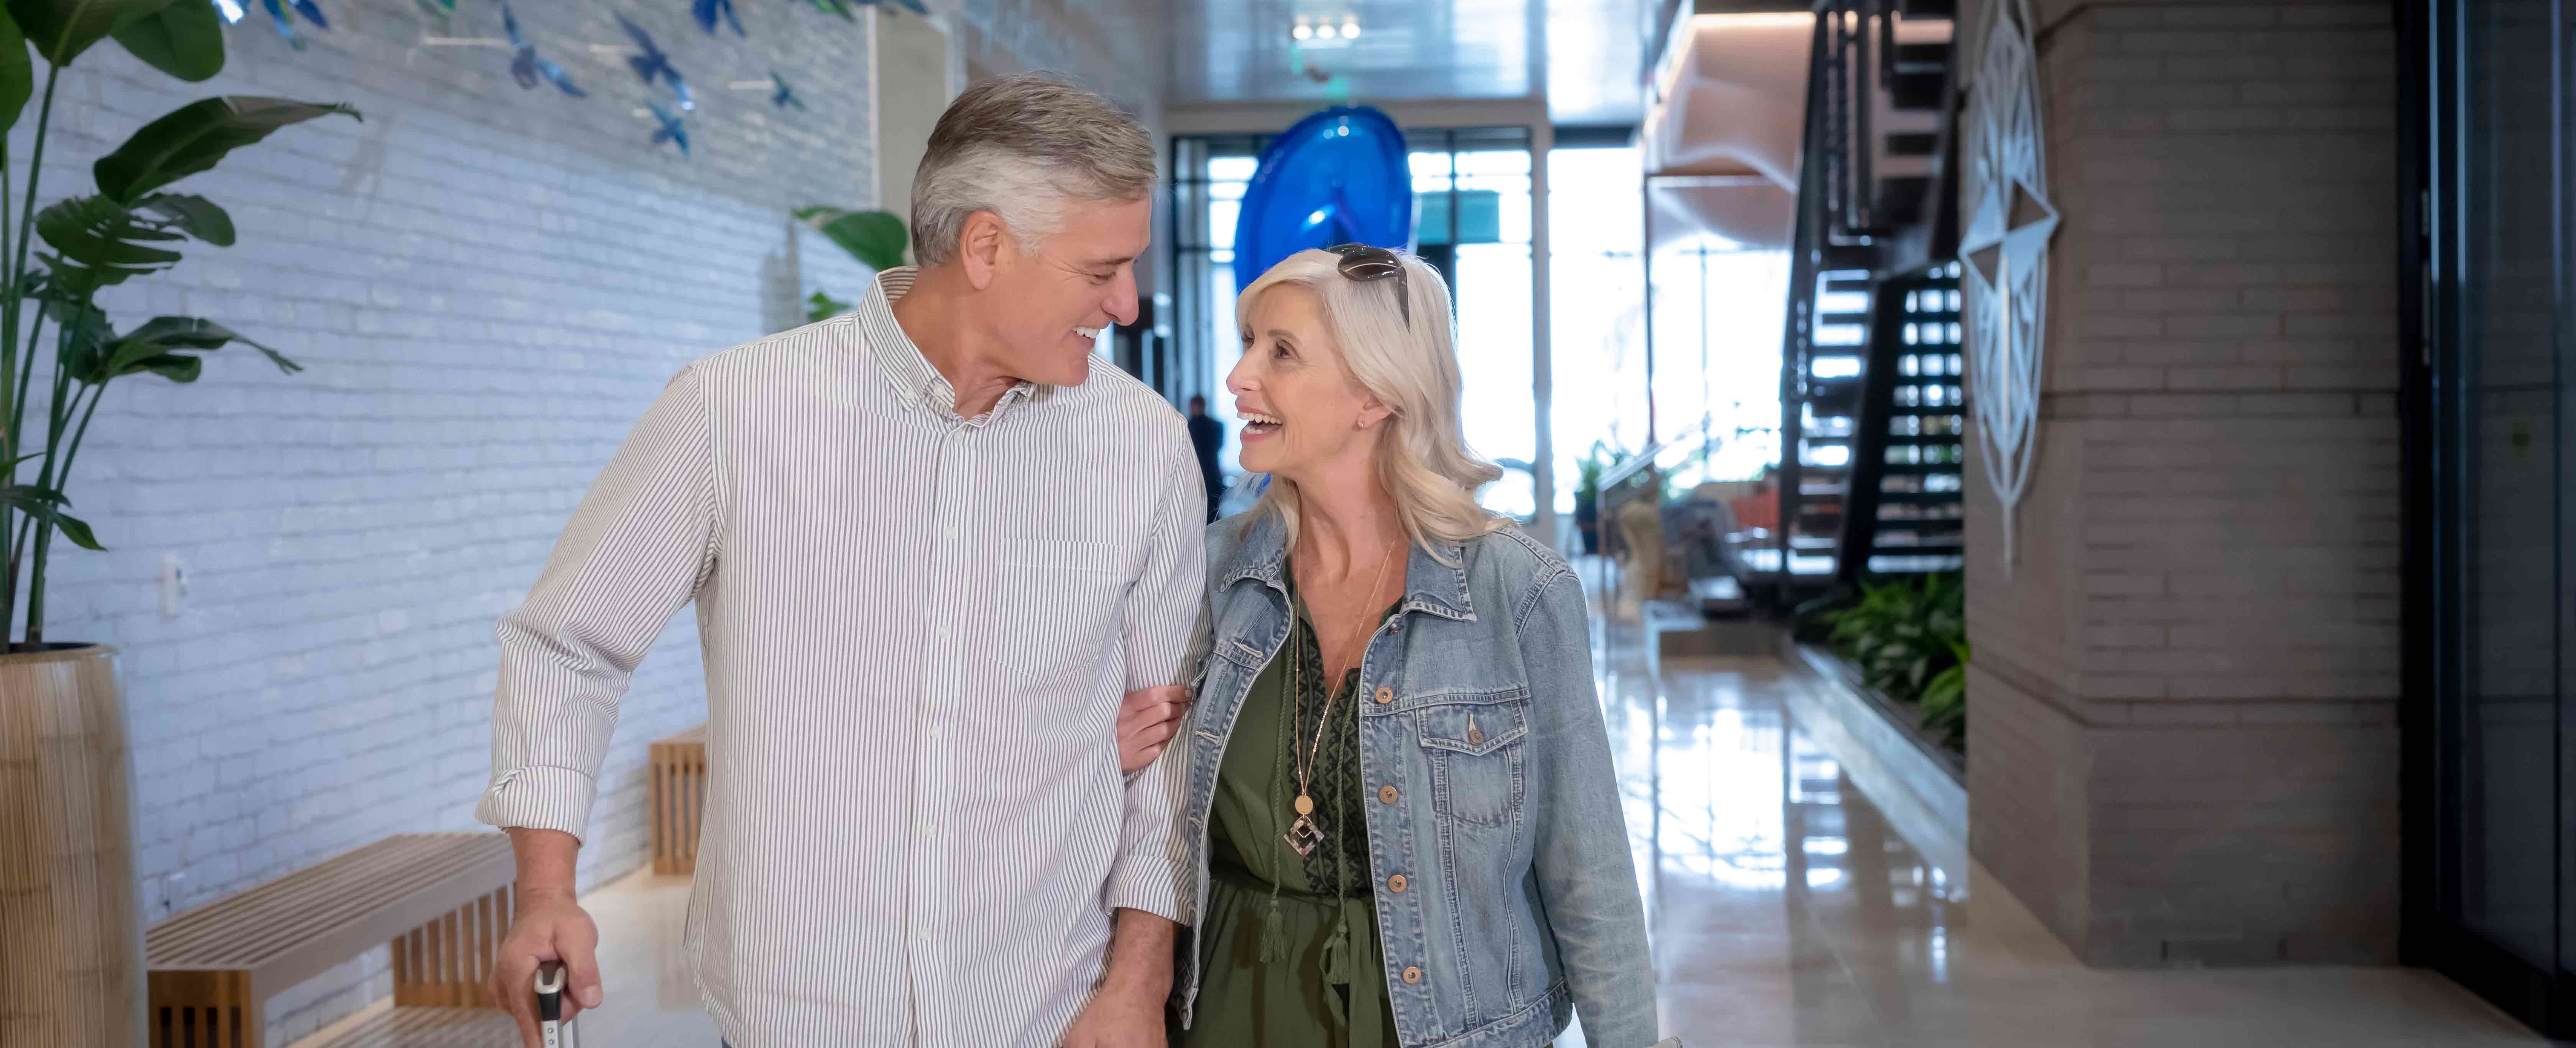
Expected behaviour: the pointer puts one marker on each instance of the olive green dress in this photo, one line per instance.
(1289, 943)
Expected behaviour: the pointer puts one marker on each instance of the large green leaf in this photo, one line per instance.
(194, 137)
(102, 243)
(46, 504)
(17, 71)
(62, 29)
(194, 215)
(184, 39)
(875, 238)
(156, 347)
(81, 335)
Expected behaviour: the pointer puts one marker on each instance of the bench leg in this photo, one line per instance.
(444, 963)
(192, 1009)
(679, 789)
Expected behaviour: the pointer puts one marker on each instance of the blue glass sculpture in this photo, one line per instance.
(1338, 177)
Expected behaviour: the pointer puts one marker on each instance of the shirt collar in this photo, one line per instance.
(905, 369)
(1430, 586)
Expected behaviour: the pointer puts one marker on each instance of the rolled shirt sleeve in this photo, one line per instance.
(635, 551)
(1162, 636)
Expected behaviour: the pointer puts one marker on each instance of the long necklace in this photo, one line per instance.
(1303, 834)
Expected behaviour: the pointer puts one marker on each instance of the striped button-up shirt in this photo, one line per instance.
(917, 630)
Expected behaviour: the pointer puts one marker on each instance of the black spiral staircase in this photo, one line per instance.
(1870, 385)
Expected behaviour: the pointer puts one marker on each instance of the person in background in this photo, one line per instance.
(1402, 810)
(931, 546)
(1207, 436)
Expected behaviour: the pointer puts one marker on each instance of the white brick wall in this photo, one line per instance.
(487, 286)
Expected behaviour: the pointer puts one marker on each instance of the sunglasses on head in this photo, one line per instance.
(1363, 263)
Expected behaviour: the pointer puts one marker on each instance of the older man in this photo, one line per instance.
(930, 550)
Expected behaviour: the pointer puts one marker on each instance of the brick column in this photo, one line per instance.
(2182, 743)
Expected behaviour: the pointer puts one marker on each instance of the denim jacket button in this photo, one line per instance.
(1413, 975)
(1386, 795)
(1385, 695)
(1395, 884)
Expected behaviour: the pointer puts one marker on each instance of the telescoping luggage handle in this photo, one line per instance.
(550, 998)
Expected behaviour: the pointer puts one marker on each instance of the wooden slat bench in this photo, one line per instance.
(679, 799)
(432, 1028)
(442, 900)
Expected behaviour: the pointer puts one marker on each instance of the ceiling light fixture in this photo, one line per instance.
(1351, 28)
(1327, 31)
(1303, 31)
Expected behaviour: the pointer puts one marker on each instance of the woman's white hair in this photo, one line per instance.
(1422, 458)
(1021, 147)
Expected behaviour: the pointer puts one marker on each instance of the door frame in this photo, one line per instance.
(2432, 263)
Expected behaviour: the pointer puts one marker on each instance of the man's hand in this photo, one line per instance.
(1120, 1018)
(1127, 1012)
(1147, 720)
(550, 927)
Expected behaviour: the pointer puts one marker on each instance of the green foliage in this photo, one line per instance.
(193, 137)
(1909, 639)
(1596, 462)
(125, 229)
(824, 307)
(185, 40)
(875, 238)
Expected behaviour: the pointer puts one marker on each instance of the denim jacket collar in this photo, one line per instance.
(1431, 587)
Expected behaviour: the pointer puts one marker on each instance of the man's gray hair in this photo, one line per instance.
(1021, 147)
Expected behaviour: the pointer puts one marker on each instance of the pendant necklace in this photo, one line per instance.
(1303, 834)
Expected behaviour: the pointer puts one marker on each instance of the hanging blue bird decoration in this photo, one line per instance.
(707, 10)
(285, 23)
(653, 64)
(784, 96)
(527, 68)
(671, 131)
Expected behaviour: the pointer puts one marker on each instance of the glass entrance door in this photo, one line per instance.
(2501, 543)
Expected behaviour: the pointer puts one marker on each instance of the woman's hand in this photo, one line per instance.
(1147, 720)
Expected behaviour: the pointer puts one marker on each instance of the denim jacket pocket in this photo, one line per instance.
(1475, 747)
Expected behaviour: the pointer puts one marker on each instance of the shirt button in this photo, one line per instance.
(1413, 975)
(1385, 695)
(948, 532)
(1395, 884)
(943, 633)
(1386, 795)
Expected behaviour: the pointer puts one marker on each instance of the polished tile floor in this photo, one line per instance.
(1786, 910)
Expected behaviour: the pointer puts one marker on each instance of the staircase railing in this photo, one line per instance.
(1857, 229)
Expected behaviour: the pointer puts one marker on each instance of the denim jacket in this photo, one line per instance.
(1477, 704)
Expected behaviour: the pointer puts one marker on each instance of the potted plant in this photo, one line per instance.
(76, 958)
(1587, 497)
(1908, 638)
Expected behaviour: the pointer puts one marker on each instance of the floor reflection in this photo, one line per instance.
(1787, 910)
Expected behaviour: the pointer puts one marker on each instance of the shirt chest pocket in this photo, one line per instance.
(1477, 746)
(1057, 603)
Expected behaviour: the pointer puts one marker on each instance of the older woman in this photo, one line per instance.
(1400, 802)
